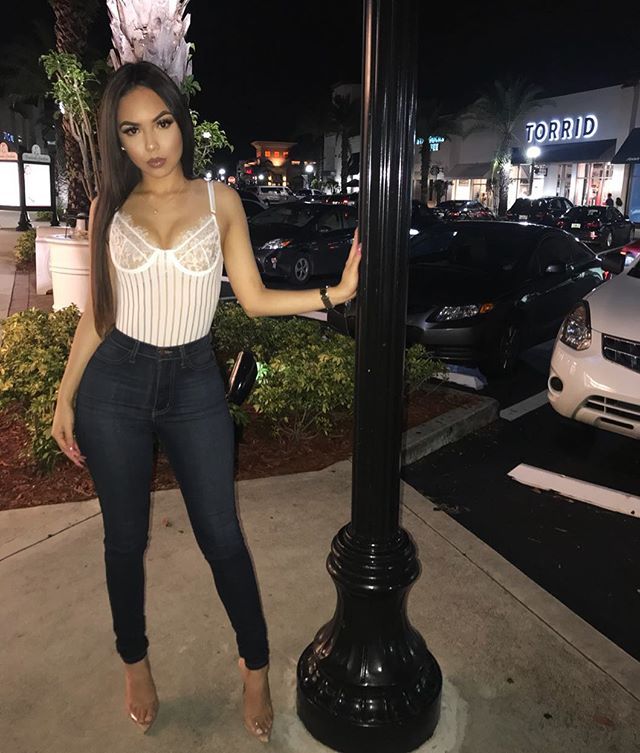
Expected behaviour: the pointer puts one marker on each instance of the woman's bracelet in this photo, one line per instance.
(325, 298)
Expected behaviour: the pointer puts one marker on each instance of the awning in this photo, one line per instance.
(630, 150)
(583, 151)
(471, 170)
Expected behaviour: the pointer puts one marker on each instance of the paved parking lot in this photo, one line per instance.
(584, 555)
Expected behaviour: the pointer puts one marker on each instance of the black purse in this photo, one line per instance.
(242, 378)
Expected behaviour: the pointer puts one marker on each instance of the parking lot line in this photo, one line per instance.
(583, 491)
(524, 406)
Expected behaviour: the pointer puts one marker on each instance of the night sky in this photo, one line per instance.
(263, 64)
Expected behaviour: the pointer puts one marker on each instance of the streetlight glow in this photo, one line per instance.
(308, 169)
(533, 152)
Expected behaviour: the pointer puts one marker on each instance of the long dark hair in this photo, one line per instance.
(120, 175)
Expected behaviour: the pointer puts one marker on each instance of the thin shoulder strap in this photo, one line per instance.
(212, 197)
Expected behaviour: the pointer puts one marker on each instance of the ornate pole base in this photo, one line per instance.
(368, 683)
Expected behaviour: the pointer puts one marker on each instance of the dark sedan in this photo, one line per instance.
(482, 291)
(604, 227)
(300, 239)
(464, 209)
(546, 210)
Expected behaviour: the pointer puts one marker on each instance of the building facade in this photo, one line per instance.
(589, 146)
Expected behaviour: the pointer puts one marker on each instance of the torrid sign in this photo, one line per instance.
(567, 129)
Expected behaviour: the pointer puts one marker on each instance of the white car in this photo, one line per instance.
(274, 194)
(595, 367)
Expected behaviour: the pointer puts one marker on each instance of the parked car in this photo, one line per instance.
(275, 194)
(481, 292)
(595, 366)
(300, 239)
(464, 209)
(631, 251)
(605, 227)
(422, 217)
(309, 194)
(252, 207)
(348, 199)
(252, 195)
(544, 211)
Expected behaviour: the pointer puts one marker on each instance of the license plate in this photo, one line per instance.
(523, 216)
(575, 225)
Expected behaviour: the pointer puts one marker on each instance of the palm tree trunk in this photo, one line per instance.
(425, 165)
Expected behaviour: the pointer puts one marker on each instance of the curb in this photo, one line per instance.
(447, 428)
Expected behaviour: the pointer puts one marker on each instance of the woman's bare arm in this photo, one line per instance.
(253, 296)
(85, 342)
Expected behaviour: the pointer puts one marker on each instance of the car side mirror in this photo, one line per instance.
(613, 263)
(555, 268)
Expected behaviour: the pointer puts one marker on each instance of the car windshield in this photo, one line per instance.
(286, 214)
(491, 250)
(580, 214)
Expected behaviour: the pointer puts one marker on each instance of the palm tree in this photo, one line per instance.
(501, 109)
(432, 120)
(72, 21)
(343, 119)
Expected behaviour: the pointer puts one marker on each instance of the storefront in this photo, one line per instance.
(579, 155)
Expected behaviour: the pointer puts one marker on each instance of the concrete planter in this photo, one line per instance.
(43, 274)
(69, 263)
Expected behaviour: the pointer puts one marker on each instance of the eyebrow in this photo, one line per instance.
(131, 123)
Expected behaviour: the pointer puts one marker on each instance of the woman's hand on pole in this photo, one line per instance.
(348, 285)
(62, 432)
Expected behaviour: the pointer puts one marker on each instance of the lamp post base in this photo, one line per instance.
(367, 682)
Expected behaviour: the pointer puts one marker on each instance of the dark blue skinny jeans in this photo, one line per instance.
(130, 392)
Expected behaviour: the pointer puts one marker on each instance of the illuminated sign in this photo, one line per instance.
(567, 129)
(434, 142)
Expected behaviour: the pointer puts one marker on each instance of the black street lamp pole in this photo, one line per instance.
(24, 223)
(367, 682)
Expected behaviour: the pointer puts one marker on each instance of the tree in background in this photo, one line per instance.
(432, 120)
(501, 109)
(72, 21)
(344, 121)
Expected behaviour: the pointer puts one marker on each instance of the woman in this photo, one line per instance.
(141, 365)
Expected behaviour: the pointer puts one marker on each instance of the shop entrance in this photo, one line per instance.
(592, 183)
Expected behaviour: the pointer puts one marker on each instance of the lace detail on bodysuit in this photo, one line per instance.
(131, 247)
(166, 296)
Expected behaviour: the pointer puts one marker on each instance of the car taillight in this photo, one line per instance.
(454, 214)
(560, 224)
(594, 225)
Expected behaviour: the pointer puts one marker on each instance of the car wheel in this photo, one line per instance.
(505, 358)
(300, 270)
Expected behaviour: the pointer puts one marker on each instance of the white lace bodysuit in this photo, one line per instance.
(166, 296)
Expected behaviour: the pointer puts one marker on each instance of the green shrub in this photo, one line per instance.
(43, 216)
(25, 248)
(420, 367)
(303, 390)
(233, 330)
(304, 386)
(33, 355)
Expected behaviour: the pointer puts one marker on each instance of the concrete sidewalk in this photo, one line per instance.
(17, 289)
(522, 673)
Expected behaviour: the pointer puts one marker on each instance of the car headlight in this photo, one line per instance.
(451, 313)
(576, 328)
(276, 243)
